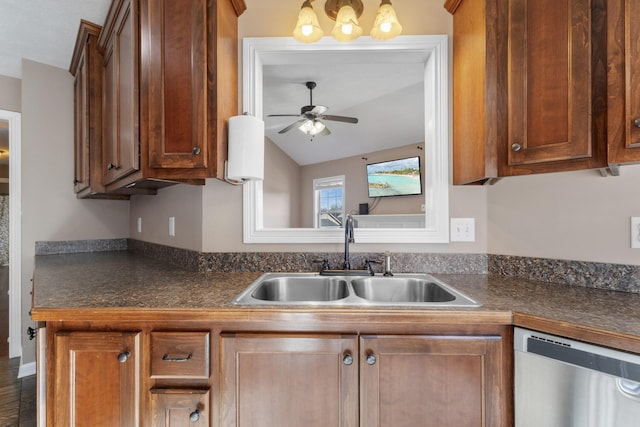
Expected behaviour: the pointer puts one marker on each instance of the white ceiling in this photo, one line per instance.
(383, 90)
(43, 30)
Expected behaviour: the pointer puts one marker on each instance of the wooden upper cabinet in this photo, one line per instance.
(174, 81)
(97, 379)
(170, 86)
(479, 88)
(556, 86)
(530, 91)
(86, 67)
(120, 92)
(624, 81)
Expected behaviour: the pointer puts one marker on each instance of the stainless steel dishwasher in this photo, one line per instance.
(564, 383)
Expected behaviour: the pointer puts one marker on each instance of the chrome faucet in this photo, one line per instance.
(348, 238)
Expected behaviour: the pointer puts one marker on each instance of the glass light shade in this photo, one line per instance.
(307, 28)
(347, 27)
(386, 25)
(311, 127)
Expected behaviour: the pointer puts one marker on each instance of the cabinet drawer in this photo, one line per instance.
(180, 355)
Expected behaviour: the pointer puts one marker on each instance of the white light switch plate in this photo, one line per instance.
(463, 229)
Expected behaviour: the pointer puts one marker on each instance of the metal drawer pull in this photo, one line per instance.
(516, 147)
(196, 150)
(168, 358)
(124, 356)
(194, 416)
(637, 123)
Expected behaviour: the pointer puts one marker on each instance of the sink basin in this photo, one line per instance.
(399, 289)
(297, 289)
(412, 290)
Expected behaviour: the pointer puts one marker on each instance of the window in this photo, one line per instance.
(328, 207)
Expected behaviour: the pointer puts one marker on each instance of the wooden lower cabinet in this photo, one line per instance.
(289, 381)
(299, 371)
(97, 380)
(408, 381)
(387, 381)
(180, 407)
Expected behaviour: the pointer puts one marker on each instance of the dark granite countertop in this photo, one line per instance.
(64, 284)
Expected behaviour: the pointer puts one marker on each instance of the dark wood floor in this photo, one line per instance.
(17, 396)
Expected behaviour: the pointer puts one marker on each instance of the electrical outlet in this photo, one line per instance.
(635, 232)
(463, 229)
(139, 224)
(172, 226)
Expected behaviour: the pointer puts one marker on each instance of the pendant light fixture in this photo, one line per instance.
(307, 28)
(346, 14)
(347, 27)
(386, 25)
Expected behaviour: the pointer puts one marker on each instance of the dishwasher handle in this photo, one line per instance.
(597, 362)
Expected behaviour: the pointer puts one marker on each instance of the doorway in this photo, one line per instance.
(10, 136)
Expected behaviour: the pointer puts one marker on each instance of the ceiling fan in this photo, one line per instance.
(312, 116)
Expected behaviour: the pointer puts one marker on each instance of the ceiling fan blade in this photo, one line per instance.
(291, 126)
(283, 115)
(343, 119)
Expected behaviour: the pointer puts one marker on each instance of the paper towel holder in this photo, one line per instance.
(232, 181)
(245, 150)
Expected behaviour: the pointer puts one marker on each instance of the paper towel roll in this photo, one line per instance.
(246, 148)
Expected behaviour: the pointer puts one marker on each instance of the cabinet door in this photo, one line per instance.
(409, 381)
(557, 100)
(86, 66)
(180, 407)
(174, 82)
(624, 81)
(121, 143)
(81, 131)
(97, 381)
(289, 381)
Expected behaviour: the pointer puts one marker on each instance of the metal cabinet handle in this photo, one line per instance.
(516, 147)
(75, 181)
(347, 359)
(124, 356)
(196, 150)
(111, 166)
(168, 358)
(371, 359)
(194, 416)
(637, 122)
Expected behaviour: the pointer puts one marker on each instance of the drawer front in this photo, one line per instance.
(180, 355)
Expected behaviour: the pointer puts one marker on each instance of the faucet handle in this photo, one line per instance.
(325, 263)
(368, 265)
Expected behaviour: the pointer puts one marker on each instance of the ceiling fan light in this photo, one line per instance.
(311, 127)
(307, 28)
(347, 27)
(386, 25)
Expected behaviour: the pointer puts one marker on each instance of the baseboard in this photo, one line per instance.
(27, 369)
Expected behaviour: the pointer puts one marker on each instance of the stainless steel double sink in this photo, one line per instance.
(419, 290)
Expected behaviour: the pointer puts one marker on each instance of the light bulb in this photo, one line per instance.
(311, 127)
(386, 25)
(347, 27)
(307, 28)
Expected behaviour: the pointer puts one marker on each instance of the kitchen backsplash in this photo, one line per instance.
(578, 273)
